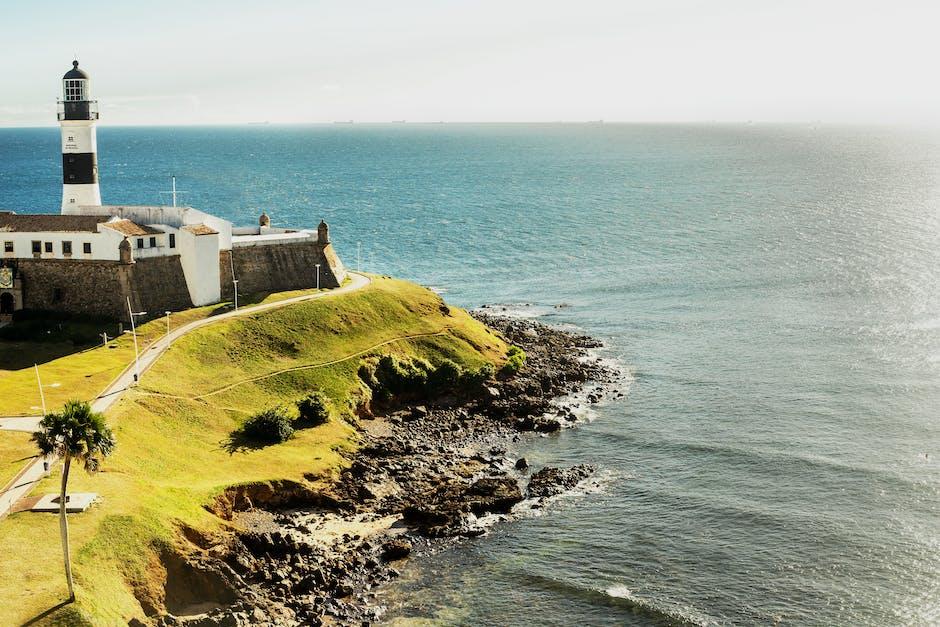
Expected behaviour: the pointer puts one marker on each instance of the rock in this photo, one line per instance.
(547, 425)
(522, 463)
(551, 481)
(396, 550)
(493, 495)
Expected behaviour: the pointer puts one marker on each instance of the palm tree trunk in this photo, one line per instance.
(64, 526)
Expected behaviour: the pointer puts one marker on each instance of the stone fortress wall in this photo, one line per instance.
(281, 267)
(158, 284)
(101, 288)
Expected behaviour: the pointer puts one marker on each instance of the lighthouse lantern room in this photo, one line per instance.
(77, 114)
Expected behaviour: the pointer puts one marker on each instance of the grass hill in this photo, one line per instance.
(174, 453)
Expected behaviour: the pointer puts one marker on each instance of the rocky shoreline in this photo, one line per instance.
(425, 476)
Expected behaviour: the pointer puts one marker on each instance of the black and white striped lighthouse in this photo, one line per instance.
(77, 116)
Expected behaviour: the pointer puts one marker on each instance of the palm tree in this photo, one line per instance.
(79, 433)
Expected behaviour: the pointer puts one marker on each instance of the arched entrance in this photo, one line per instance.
(6, 304)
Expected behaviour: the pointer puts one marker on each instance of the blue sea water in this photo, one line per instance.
(773, 292)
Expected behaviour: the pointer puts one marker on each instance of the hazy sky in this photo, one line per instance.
(174, 62)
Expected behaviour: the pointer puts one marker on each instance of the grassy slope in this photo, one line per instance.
(171, 457)
(68, 372)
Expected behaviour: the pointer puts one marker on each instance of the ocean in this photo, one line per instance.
(771, 292)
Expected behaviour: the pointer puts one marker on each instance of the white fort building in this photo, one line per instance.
(89, 258)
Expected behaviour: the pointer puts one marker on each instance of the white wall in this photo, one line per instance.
(159, 216)
(199, 256)
(104, 244)
(239, 241)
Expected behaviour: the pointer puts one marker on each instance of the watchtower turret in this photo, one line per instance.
(77, 114)
(323, 233)
(124, 251)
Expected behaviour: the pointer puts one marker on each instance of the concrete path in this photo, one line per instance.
(35, 471)
(29, 424)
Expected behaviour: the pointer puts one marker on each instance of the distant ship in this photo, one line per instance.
(343, 122)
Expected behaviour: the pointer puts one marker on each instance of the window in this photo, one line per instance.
(86, 248)
(66, 248)
(37, 247)
(172, 240)
(48, 247)
(153, 242)
(72, 200)
(57, 294)
(140, 242)
(75, 89)
(8, 247)
(71, 139)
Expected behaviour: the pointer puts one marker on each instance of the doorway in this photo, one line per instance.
(6, 304)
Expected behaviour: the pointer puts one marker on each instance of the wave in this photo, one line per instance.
(620, 597)
(517, 310)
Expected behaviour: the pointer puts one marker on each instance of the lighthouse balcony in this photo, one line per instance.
(77, 110)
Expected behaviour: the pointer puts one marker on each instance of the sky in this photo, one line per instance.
(283, 61)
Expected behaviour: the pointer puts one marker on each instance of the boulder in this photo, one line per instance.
(550, 481)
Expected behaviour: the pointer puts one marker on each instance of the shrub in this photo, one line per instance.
(475, 378)
(313, 410)
(271, 426)
(402, 377)
(445, 377)
(515, 360)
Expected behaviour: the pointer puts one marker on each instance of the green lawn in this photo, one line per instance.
(16, 450)
(68, 371)
(171, 457)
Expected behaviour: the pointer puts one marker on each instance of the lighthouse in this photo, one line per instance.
(77, 116)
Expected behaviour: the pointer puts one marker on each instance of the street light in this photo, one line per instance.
(318, 276)
(134, 333)
(235, 283)
(167, 327)
(42, 395)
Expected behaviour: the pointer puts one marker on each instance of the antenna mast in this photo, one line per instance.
(174, 191)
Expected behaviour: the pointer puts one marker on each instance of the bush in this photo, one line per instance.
(473, 379)
(402, 377)
(515, 360)
(445, 377)
(271, 426)
(313, 410)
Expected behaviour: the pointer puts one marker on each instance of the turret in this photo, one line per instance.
(125, 253)
(323, 233)
(264, 220)
(77, 114)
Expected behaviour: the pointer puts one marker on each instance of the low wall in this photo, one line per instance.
(100, 288)
(287, 266)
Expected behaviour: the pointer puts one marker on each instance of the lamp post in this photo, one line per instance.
(42, 395)
(167, 327)
(235, 283)
(134, 333)
(318, 276)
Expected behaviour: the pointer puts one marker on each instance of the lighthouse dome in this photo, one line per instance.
(75, 72)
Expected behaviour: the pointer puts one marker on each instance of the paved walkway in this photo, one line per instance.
(34, 472)
(29, 424)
